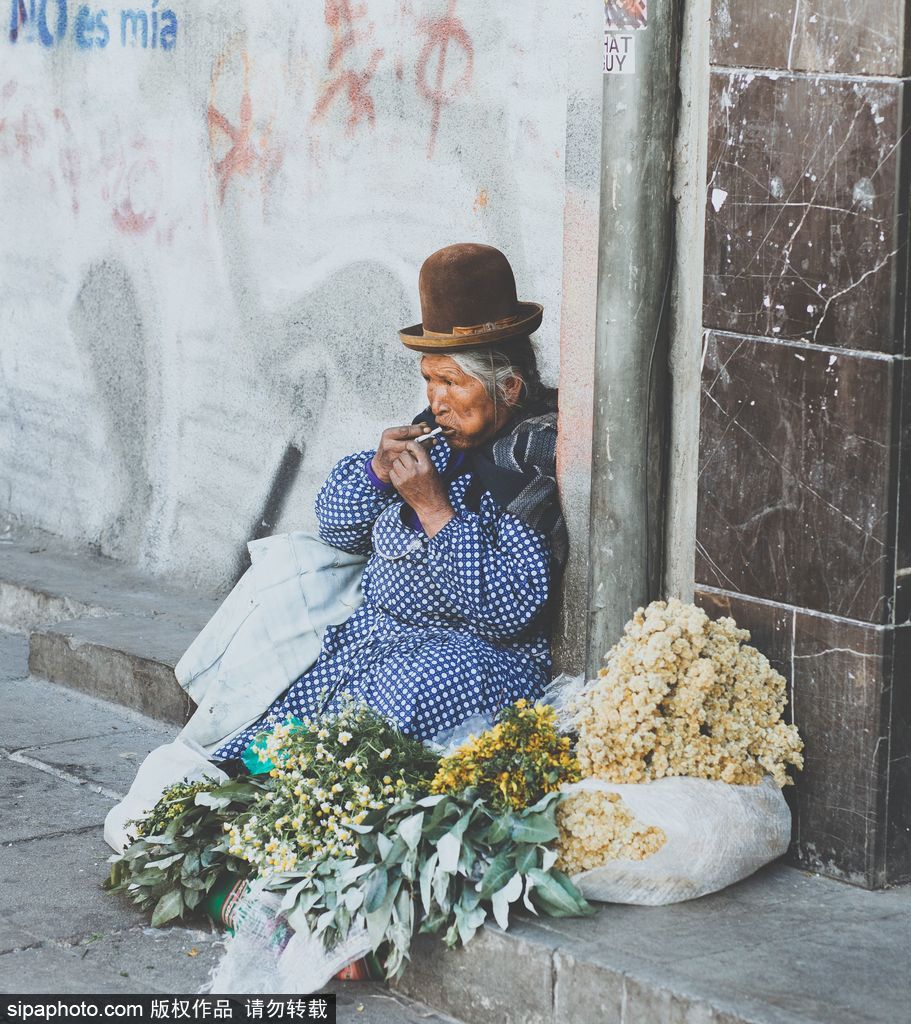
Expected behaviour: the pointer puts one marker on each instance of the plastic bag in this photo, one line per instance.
(445, 742)
(717, 834)
(559, 694)
(266, 955)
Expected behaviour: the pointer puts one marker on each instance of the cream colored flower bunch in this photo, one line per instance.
(596, 827)
(684, 695)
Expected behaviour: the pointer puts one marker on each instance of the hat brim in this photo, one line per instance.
(529, 319)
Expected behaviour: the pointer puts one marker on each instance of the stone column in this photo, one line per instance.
(804, 520)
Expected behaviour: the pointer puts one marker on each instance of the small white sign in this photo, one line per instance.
(619, 53)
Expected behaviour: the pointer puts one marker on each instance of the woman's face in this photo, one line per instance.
(460, 403)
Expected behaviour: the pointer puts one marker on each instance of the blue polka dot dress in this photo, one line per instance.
(451, 626)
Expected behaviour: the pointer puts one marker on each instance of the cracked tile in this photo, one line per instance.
(795, 468)
(803, 237)
(835, 36)
(853, 794)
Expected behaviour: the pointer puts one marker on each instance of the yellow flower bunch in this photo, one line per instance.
(513, 764)
(683, 695)
(596, 827)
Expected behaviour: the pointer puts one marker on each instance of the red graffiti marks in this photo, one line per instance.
(341, 17)
(245, 147)
(440, 33)
(133, 183)
(69, 157)
(6, 93)
(139, 190)
(29, 134)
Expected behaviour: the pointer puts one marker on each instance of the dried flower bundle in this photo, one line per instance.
(683, 695)
(327, 774)
(596, 827)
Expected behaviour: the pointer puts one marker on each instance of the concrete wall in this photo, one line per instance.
(210, 240)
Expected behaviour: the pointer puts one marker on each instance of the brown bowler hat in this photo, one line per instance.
(468, 299)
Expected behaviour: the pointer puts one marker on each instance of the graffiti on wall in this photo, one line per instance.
(121, 169)
(349, 76)
(441, 33)
(244, 128)
(53, 22)
(240, 143)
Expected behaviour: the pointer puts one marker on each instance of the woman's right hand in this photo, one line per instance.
(393, 442)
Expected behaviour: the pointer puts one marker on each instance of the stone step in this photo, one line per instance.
(127, 659)
(100, 626)
(44, 579)
(782, 947)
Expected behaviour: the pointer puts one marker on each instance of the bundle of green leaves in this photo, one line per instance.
(179, 854)
(438, 864)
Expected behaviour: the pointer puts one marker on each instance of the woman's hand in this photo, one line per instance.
(394, 441)
(416, 479)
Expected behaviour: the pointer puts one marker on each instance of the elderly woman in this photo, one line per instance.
(462, 529)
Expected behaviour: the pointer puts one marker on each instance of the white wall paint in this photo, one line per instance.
(206, 252)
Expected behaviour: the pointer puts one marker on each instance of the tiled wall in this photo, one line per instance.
(804, 530)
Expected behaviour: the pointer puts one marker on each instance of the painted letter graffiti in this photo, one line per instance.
(440, 33)
(341, 19)
(46, 22)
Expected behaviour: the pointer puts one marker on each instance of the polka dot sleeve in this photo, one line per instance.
(499, 583)
(348, 504)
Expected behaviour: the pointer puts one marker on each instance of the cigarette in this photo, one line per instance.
(427, 437)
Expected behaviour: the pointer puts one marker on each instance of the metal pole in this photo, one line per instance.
(631, 392)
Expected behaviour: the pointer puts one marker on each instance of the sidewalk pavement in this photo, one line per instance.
(782, 947)
(65, 758)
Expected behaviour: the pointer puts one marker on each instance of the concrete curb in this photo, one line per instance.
(124, 659)
(99, 626)
(481, 982)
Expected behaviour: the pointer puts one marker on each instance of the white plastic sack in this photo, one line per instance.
(267, 632)
(560, 694)
(266, 955)
(717, 834)
(445, 742)
(164, 766)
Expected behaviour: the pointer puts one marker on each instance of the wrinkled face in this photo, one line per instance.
(460, 403)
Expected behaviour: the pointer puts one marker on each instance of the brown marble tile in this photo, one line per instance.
(898, 849)
(842, 683)
(903, 559)
(855, 37)
(796, 499)
(804, 238)
(903, 598)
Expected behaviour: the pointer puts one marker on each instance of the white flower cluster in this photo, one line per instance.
(596, 827)
(318, 793)
(683, 695)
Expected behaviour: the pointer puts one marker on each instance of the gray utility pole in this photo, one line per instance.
(633, 333)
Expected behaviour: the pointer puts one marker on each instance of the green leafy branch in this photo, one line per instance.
(170, 872)
(447, 860)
